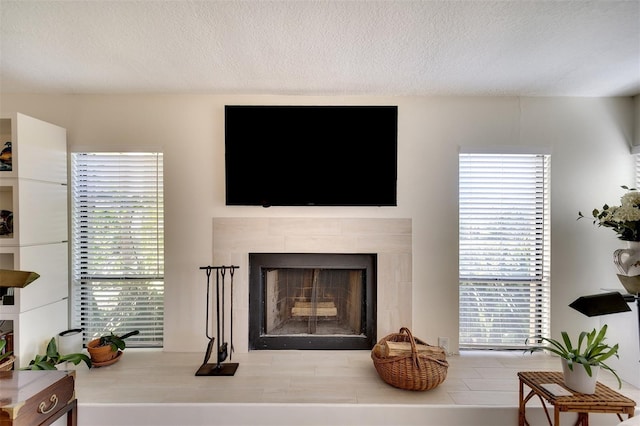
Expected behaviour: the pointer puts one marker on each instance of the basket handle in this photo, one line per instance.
(414, 350)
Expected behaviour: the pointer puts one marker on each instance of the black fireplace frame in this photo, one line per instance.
(259, 263)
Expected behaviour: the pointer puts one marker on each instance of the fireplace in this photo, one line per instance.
(312, 301)
(234, 238)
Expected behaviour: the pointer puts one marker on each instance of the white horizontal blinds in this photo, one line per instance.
(503, 248)
(118, 245)
(636, 158)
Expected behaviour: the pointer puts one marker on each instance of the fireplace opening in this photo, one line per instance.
(311, 301)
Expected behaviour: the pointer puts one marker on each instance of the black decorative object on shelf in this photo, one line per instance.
(223, 349)
(6, 222)
(6, 158)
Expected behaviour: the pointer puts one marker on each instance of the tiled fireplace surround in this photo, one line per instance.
(234, 238)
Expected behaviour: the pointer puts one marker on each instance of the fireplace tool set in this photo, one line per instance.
(223, 349)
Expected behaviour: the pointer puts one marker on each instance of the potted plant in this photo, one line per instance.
(107, 349)
(52, 357)
(6, 358)
(580, 364)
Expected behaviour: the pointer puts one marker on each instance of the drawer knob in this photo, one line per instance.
(42, 407)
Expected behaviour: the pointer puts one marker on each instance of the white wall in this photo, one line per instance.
(589, 139)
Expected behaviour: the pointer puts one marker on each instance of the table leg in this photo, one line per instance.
(583, 419)
(521, 414)
(72, 414)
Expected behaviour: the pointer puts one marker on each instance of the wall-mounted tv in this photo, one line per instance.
(311, 155)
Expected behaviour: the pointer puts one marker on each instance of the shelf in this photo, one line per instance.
(34, 195)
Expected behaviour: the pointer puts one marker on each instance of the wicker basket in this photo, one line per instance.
(415, 371)
(7, 364)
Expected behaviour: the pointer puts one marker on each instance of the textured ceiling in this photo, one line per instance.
(529, 48)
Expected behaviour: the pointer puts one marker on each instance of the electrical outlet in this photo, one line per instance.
(443, 342)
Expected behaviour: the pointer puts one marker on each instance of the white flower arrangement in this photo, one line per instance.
(623, 219)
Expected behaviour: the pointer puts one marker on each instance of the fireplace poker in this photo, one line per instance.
(207, 354)
(222, 349)
(231, 313)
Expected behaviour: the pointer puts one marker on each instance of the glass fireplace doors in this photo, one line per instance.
(311, 301)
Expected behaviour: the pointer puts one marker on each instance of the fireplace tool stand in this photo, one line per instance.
(223, 349)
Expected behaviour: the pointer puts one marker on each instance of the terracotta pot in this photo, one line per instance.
(100, 354)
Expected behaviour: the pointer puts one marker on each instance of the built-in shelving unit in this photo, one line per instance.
(33, 231)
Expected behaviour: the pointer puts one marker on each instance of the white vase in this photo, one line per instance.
(578, 379)
(627, 261)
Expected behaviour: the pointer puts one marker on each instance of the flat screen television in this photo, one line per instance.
(311, 155)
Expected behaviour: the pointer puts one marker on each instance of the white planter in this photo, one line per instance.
(70, 341)
(578, 379)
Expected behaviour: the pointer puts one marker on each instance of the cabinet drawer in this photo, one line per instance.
(44, 405)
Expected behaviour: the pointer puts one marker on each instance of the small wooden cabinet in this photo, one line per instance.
(37, 398)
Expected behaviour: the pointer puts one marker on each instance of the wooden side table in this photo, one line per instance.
(605, 400)
(37, 398)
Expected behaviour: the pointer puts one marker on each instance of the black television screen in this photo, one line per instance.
(311, 155)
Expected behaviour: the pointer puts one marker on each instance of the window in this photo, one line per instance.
(117, 245)
(503, 249)
(636, 159)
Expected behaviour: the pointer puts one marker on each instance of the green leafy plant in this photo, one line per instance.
(594, 353)
(116, 342)
(5, 355)
(52, 358)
